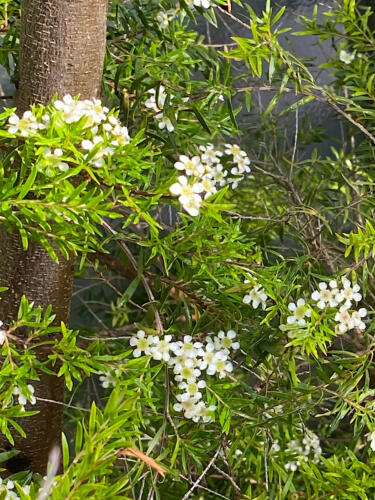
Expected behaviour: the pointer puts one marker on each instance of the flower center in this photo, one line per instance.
(142, 344)
(226, 342)
(163, 345)
(192, 388)
(208, 356)
(186, 191)
(325, 295)
(187, 347)
(220, 365)
(186, 372)
(300, 312)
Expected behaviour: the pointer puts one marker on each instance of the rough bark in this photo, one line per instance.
(62, 46)
(62, 49)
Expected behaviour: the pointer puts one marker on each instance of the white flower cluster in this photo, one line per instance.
(102, 131)
(255, 296)
(7, 489)
(189, 359)
(331, 295)
(303, 450)
(205, 173)
(23, 398)
(3, 334)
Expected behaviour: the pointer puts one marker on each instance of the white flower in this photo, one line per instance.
(357, 318)
(163, 19)
(185, 368)
(192, 204)
(24, 398)
(94, 110)
(188, 196)
(273, 411)
(54, 158)
(256, 296)
(74, 110)
(181, 360)
(151, 101)
(193, 388)
(235, 181)
(188, 348)
(371, 438)
(142, 343)
(187, 373)
(344, 319)
(300, 310)
(164, 122)
(207, 354)
(305, 450)
(3, 334)
(192, 166)
(243, 163)
(121, 136)
(208, 186)
(202, 412)
(210, 155)
(204, 4)
(162, 347)
(347, 321)
(324, 296)
(71, 110)
(220, 365)
(184, 189)
(235, 151)
(348, 293)
(346, 57)
(225, 341)
(275, 446)
(291, 466)
(25, 126)
(187, 404)
(218, 174)
(98, 159)
(108, 380)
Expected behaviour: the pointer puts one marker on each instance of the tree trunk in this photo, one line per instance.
(62, 46)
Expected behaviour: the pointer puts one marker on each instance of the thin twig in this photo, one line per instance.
(196, 483)
(159, 324)
(62, 404)
(218, 495)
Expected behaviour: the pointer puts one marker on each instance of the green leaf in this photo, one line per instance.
(65, 451)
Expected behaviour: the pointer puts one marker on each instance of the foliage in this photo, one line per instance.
(282, 255)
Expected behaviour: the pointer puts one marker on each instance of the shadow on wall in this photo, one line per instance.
(307, 47)
(7, 88)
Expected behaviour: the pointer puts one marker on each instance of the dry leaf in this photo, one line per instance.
(133, 452)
